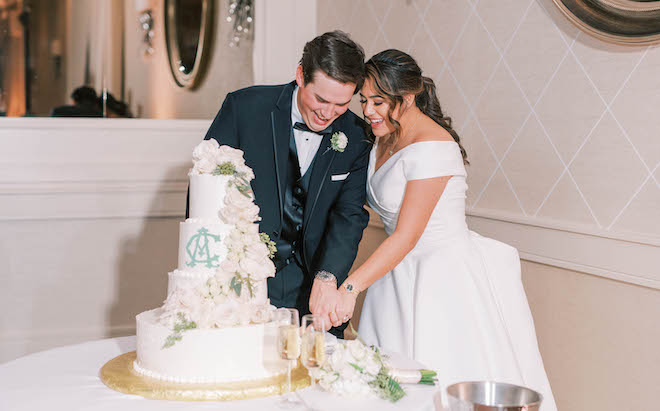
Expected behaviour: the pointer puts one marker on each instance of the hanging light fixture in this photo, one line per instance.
(146, 21)
(241, 15)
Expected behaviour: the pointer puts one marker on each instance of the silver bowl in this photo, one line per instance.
(492, 396)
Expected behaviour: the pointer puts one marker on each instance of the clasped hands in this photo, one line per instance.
(334, 305)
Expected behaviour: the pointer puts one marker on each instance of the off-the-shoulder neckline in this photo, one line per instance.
(403, 149)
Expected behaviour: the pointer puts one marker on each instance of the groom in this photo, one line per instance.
(309, 154)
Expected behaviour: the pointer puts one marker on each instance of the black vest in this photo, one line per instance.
(289, 244)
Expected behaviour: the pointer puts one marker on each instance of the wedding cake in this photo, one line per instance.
(215, 325)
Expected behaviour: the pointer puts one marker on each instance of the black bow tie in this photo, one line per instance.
(303, 127)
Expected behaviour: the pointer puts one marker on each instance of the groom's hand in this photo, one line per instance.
(324, 299)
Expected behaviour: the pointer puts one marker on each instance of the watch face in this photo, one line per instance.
(349, 287)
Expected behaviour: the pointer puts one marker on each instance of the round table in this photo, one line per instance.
(67, 378)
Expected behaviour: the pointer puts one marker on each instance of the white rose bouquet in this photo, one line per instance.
(356, 369)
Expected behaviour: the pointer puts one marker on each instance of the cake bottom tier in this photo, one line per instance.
(207, 356)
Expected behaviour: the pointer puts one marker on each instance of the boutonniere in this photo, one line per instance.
(338, 141)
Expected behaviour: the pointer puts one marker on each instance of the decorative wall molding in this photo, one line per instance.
(95, 168)
(99, 125)
(629, 258)
(567, 226)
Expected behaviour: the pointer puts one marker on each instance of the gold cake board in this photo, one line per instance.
(119, 375)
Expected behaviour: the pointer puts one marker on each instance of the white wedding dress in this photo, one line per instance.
(456, 302)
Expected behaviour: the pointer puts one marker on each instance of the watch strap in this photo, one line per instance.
(326, 276)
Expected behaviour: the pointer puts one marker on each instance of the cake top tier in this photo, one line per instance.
(207, 195)
(214, 169)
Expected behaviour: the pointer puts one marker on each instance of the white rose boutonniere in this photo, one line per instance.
(339, 141)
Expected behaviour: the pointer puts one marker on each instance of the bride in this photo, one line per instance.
(438, 293)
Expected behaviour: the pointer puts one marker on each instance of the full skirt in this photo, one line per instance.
(460, 309)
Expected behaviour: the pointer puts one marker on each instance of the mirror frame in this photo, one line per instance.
(625, 22)
(191, 79)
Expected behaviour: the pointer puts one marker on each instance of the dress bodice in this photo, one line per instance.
(426, 159)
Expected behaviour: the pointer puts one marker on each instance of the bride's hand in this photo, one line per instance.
(346, 306)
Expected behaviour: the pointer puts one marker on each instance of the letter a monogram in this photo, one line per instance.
(198, 249)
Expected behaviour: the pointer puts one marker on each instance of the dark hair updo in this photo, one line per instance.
(395, 74)
(336, 55)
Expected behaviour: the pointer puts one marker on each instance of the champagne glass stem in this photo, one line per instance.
(288, 377)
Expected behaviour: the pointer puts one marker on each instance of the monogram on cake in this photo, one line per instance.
(215, 325)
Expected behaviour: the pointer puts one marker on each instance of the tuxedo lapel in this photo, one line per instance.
(281, 125)
(320, 168)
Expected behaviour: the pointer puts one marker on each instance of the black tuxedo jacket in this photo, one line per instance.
(257, 120)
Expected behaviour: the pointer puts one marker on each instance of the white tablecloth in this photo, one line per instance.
(67, 379)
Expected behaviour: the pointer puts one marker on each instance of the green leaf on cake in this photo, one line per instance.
(171, 340)
(250, 286)
(182, 324)
(245, 190)
(236, 285)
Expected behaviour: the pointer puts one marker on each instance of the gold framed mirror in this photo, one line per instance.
(187, 34)
(628, 22)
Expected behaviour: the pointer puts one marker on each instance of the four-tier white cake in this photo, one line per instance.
(215, 325)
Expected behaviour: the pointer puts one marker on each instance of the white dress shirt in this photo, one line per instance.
(307, 144)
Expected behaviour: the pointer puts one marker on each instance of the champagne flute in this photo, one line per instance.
(288, 341)
(313, 343)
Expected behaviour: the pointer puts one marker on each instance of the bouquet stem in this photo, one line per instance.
(429, 377)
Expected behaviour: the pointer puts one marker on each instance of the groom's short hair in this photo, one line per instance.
(337, 56)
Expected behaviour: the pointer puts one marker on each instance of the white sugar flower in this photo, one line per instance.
(227, 269)
(249, 213)
(249, 266)
(233, 155)
(261, 313)
(204, 166)
(236, 198)
(229, 214)
(245, 172)
(214, 286)
(207, 149)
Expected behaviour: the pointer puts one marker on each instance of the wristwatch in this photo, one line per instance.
(326, 277)
(350, 288)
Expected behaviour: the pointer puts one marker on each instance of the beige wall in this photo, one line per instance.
(149, 85)
(599, 338)
(562, 133)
